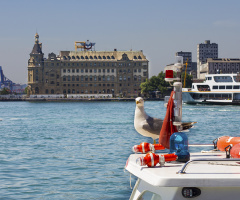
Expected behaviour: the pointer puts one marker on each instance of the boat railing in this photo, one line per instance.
(217, 161)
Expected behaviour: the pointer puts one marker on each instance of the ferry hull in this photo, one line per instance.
(187, 98)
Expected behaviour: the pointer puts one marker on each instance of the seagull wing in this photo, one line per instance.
(152, 125)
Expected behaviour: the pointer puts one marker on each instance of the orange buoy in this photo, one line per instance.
(235, 151)
(145, 147)
(152, 159)
(225, 141)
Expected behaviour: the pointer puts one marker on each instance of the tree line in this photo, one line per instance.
(157, 84)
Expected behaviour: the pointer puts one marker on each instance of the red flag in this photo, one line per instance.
(167, 128)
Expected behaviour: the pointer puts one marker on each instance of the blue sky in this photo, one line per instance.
(159, 28)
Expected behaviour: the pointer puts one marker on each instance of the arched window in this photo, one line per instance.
(99, 57)
(64, 91)
(46, 91)
(108, 78)
(52, 91)
(86, 57)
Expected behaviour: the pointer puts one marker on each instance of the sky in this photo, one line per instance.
(158, 27)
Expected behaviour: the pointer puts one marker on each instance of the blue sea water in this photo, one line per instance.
(78, 150)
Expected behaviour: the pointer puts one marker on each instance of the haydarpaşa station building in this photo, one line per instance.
(86, 71)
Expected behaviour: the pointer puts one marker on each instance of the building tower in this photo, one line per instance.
(35, 68)
(204, 51)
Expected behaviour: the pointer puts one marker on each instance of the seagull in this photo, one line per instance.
(149, 126)
(144, 124)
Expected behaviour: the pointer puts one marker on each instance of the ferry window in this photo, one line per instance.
(229, 87)
(149, 195)
(236, 87)
(215, 87)
(222, 87)
(223, 79)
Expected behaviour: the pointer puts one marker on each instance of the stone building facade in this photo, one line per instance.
(220, 65)
(119, 73)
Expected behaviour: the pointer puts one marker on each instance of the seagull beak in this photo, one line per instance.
(137, 102)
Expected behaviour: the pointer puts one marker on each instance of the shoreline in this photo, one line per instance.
(75, 100)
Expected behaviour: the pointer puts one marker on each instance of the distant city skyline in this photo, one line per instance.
(159, 28)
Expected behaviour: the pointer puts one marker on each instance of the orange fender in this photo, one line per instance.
(225, 141)
(235, 151)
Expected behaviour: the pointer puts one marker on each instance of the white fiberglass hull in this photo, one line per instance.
(215, 179)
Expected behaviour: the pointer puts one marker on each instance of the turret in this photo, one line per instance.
(35, 67)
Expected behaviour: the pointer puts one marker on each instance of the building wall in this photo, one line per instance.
(205, 51)
(119, 73)
(215, 66)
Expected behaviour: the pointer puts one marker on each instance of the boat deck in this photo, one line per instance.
(211, 170)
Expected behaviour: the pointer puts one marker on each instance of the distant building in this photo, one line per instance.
(205, 51)
(119, 73)
(220, 65)
(187, 57)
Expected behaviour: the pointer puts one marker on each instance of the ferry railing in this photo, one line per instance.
(235, 161)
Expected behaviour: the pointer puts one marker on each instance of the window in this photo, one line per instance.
(222, 87)
(139, 78)
(236, 87)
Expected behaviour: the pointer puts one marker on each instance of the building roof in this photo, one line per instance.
(37, 49)
(103, 55)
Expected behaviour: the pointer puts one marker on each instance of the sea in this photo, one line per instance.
(78, 150)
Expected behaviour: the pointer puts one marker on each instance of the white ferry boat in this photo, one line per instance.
(207, 175)
(216, 89)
